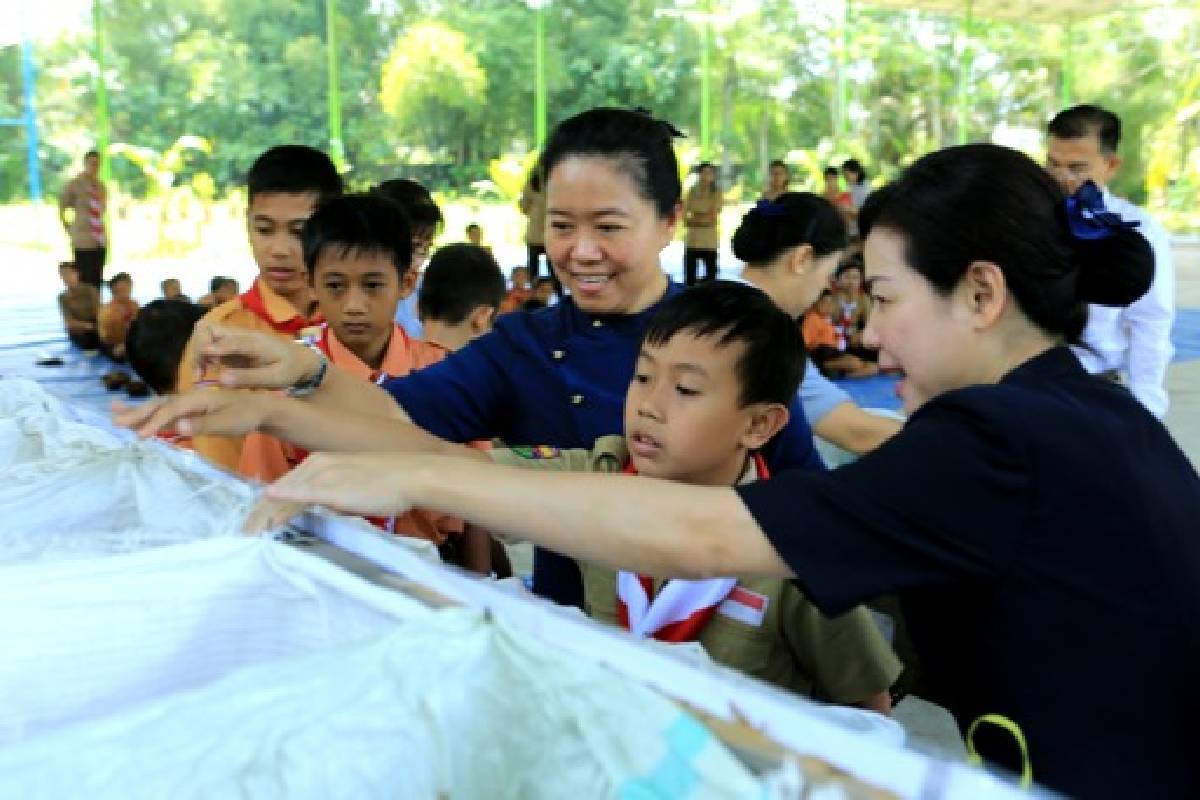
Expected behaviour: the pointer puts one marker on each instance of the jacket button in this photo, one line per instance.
(597, 323)
(558, 355)
(577, 399)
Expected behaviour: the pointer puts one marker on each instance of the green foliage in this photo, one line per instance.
(443, 91)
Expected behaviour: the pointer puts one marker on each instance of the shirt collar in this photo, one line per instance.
(1057, 362)
(397, 359)
(582, 320)
(274, 307)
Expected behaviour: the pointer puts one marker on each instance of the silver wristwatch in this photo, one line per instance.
(309, 385)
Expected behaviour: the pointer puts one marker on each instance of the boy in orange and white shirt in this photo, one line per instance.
(358, 252)
(284, 185)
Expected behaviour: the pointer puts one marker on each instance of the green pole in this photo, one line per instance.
(964, 72)
(843, 85)
(705, 98)
(103, 129)
(1068, 63)
(337, 150)
(539, 68)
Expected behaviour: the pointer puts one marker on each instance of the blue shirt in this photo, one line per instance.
(1042, 535)
(406, 312)
(556, 377)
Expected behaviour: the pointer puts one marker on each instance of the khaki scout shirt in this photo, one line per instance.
(792, 644)
(703, 237)
(76, 195)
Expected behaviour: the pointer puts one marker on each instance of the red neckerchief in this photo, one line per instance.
(252, 300)
(695, 605)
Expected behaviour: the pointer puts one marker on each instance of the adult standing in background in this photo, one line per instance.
(1129, 343)
(533, 206)
(778, 179)
(86, 199)
(702, 217)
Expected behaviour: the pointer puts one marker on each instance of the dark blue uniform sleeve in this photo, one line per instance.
(464, 397)
(945, 499)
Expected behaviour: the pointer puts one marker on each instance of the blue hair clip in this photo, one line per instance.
(769, 208)
(1089, 219)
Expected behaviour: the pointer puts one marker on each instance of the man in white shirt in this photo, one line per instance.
(1134, 341)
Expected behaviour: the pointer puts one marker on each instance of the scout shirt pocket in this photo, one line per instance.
(743, 634)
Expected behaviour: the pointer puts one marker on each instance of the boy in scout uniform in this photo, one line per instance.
(717, 367)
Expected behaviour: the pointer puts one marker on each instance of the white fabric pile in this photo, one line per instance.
(73, 490)
(244, 668)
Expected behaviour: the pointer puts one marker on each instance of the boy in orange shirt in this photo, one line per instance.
(358, 252)
(115, 316)
(284, 185)
(826, 347)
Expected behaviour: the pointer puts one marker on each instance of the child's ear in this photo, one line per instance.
(766, 420)
(481, 319)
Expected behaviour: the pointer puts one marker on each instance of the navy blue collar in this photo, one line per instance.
(1057, 362)
(582, 320)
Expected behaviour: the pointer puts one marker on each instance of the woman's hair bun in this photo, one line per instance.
(1113, 271)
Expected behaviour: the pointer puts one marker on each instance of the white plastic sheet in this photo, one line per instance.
(245, 669)
(72, 490)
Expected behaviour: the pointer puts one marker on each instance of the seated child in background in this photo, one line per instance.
(171, 290)
(475, 236)
(460, 295)
(80, 304)
(357, 249)
(115, 316)
(827, 346)
(852, 307)
(520, 291)
(220, 291)
(155, 344)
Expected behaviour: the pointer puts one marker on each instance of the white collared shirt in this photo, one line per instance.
(1136, 340)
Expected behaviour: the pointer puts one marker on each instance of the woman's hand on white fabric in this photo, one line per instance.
(371, 484)
(202, 412)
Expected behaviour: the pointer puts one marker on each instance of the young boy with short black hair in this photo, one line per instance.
(460, 295)
(717, 368)
(357, 251)
(284, 185)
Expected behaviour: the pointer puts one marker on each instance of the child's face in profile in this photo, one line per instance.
(358, 293)
(684, 420)
(121, 290)
(520, 278)
(275, 221)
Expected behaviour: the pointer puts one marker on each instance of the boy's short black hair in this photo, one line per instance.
(165, 281)
(832, 171)
(156, 339)
(358, 223)
(67, 265)
(293, 169)
(416, 202)
(474, 226)
(459, 279)
(217, 282)
(532, 304)
(120, 276)
(1088, 120)
(772, 363)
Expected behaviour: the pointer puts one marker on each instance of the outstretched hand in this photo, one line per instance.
(237, 358)
(370, 484)
(208, 411)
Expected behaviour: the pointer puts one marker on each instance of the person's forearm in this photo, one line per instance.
(661, 528)
(855, 430)
(345, 393)
(316, 428)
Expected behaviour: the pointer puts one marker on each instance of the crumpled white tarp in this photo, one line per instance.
(243, 668)
(72, 490)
